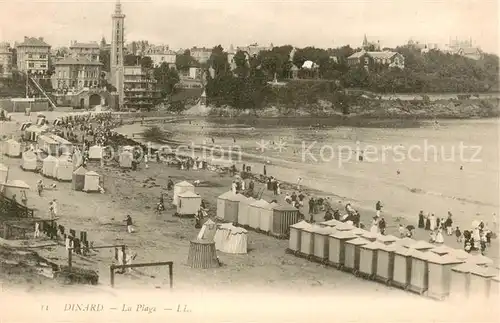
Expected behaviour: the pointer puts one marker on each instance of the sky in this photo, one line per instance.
(187, 23)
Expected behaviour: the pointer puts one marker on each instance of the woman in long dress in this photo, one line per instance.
(421, 220)
(439, 236)
(374, 227)
(428, 223)
(433, 222)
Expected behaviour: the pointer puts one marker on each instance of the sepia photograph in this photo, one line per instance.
(249, 161)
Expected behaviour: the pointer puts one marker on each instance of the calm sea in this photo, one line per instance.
(410, 168)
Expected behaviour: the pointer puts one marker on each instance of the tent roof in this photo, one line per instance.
(188, 194)
(96, 146)
(343, 235)
(3, 167)
(260, 203)
(483, 271)
(414, 253)
(209, 222)
(344, 227)
(285, 207)
(358, 241)
(369, 235)
(238, 230)
(301, 225)
(12, 141)
(403, 251)
(443, 260)
(358, 231)
(422, 245)
(325, 230)
(464, 267)
(442, 249)
(29, 153)
(91, 173)
(313, 228)
(386, 238)
(388, 247)
(80, 171)
(461, 254)
(16, 183)
(230, 196)
(184, 184)
(479, 260)
(331, 223)
(406, 242)
(373, 245)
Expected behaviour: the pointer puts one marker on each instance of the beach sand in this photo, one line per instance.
(166, 238)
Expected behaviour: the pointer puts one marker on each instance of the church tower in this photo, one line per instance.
(117, 48)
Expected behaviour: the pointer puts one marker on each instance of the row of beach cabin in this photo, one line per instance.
(258, 215)
(439, 272)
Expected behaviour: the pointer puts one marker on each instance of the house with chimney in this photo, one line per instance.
(89, 50)
(5, 60)
(373, 60)
(33, 55)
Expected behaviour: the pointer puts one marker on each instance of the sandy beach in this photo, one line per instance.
(166, 238)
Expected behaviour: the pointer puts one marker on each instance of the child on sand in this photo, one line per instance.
(458, 234)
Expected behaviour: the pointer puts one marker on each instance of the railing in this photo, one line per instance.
(11, 208)
(42, 91)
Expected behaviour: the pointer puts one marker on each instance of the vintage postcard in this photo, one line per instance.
(249, 161)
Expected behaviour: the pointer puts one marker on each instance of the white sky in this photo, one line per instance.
(186, 23)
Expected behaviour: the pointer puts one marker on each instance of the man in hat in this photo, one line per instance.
(128, 221)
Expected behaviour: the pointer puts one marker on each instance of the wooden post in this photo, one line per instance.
(70, 258)
(112, 275)
(171, 274)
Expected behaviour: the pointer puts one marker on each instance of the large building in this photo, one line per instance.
(201, 55)
(371, 60)
(33, 55)
(160, 55)
(139, 88)
(464, 48)
(253, 50)
(117, 52)
(5, 60)
(88, 50)
(76, 74)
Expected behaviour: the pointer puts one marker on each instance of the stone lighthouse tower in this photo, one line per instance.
(117, 48)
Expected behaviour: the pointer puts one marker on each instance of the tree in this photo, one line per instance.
(131, 60)
(104, 58)
(185, 60)
(218, 61)
(166, 78)
(146, 62)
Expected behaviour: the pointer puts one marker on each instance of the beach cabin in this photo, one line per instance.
(49, 166)
(460, 280)
(321, 243)
(386, 239)
(494, 287)
(358, 231)
(352, 254)
(15, 187)
(181, 187)
(440, 274)
(385, 263)
(48, 145)
(208, 230)
(336, 247)
(12, 148)
(227, 206)
(266, 217)
(64, 170)
(78, 179)
(91, 182)
(65, 146)
(368, 259)
(419, 278)
(422, 246)
(29, 161)
(307, 240)
(95, 152)
(4, 173)
(480, 282)
(188, 203)
(284, 215)
(125, 159)
(244, 209)
(295, 235)
(231, 239)
(32, 133)
(402, 267)
(461, 254)
(343, 226)
(254, 211)
(330, 223)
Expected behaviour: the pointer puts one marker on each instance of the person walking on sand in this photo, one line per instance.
(458, 234)
(427, 222)
(421, 220)
(449, 224)
(299, 180)
(265, 171)
(128, 221)
(374, 228)
(439, 236)
(433, 222)
(39, 187)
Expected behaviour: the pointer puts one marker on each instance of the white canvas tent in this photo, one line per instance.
(188, 203)
(125, 159)
(49, 166)
(181, 187)
(227, 206)
(64, 169)
(254, 213)
(65, 145)
(91, 182)
(14, 187)
(12, 148)
(231, 239)
(29, 160)
(4, 173)
(32, 133)
(208, 230)
(95, 152)
(243, 210)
